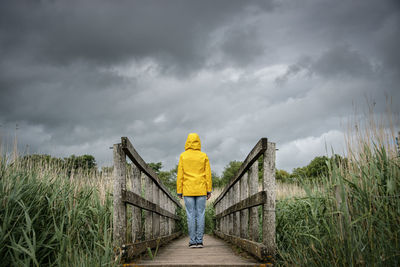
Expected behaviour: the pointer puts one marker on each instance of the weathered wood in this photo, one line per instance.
(156, 216)
(130, 251)
(173, 221)
(253, 212)
(216, 252)
(138, 201)
(136, 211)
(119, 211)
(226, 218)
(149, 216)
(244, 214)
(257, 199)
(217, 221)
(166, 226)
(236, 215)
(269, 187)
(169, 219)
(230, 216)
(258, 250)
(162, 219)
(258, 150)
(141, 164)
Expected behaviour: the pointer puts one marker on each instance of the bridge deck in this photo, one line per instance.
(215, 253)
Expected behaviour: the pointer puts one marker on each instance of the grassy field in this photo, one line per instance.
(49, 219)
(351, 217)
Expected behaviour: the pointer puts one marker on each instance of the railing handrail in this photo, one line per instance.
(254, 154)
(236, 208)
(134, 156)
(157, 202)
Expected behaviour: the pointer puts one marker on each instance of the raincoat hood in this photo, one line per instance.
(193, 142)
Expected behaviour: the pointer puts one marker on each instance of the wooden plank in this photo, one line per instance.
(257, 199)
(253, 212)
(130, 251)
(268, 227)
(256, 249)
(244, 214)
(141, 164)
(156, 216)
(225, 218)
(230, 215)
(136, 211)
(148, 205)
(148, 231)
(217, 221)
(236, 215)
(216, 252)
(173, 221)
(162, 219)
(169, 219)
(258, 150)
(119, 211)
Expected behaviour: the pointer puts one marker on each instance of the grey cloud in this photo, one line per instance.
(242, 45)
(76, 76)
(342, 60)
(174, 32)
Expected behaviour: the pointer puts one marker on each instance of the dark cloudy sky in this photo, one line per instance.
(77, 75)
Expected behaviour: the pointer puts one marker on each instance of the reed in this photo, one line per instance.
(50, 219)
(351, 217)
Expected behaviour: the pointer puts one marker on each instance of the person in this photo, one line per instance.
(194, 184)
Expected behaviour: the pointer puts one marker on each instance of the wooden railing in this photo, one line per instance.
(158, 224)
(236, 209)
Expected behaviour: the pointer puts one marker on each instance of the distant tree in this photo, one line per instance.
(282, 175)
(299, 172)
(156, 166)
(317, 167)
(230, 171)
(216, 181)
(86, 162)
(168, 178)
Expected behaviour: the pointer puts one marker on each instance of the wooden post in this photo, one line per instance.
(236, 215)
(223, 221)
(162, 218)
(119, 216)
(170, 219)
(253, 212)
(156, 217)
(136, 212)
(230, 202)
(269, 208)
(226, 218)
(149, 218)
(217, 221)
(173, 221)
(244, 214)
(166, 219)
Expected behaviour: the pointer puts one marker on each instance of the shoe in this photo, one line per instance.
(199, 245)
(192, 245)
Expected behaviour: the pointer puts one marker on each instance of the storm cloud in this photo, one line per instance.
(77, 75)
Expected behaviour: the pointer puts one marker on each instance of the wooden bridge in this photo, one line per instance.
(146, 215)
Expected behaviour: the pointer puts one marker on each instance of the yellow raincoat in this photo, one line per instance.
(194, 173)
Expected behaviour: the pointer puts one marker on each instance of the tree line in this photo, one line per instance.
(313, 171)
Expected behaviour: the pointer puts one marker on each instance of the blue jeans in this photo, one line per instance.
(195, 211)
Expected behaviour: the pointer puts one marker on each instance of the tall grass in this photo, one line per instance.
(48, 220)
(354, 217)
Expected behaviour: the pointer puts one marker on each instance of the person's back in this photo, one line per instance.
(194, 184)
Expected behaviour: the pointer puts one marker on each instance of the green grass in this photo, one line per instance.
(47, 221)
(354, 220)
